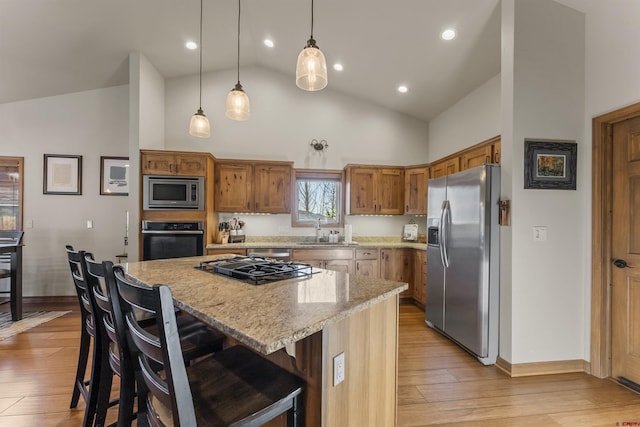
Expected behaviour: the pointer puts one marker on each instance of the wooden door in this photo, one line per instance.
(415, 190)
(390, 191)
(419, 276)
(625, 248)
(272, 185)
(362, 190)
(367, 267)
(438, 169)
(476, 157)
(233, 187)
(343, 265)
(452, 166)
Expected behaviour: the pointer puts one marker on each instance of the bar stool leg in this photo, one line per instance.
(83, 357)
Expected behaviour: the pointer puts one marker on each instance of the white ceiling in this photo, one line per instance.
(51, 47)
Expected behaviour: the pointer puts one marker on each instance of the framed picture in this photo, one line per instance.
(550, 165)
(62, 174)
(114, 176)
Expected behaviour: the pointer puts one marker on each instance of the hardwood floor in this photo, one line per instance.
(439, 384)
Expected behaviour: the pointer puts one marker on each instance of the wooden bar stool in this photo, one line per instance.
(234, 387)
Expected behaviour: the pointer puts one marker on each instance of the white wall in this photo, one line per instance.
(284, 120)
(612, 70)
(548, 282)
(473, 119)
(92, 124)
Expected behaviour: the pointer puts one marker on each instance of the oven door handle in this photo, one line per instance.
(172, 231)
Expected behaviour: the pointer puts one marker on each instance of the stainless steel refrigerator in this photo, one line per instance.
(463, 259)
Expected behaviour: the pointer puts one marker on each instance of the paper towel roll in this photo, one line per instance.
(348, 233)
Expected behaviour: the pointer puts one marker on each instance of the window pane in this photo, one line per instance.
(9, 196)
(318, 199)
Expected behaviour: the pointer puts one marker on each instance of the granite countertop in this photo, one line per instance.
(265, 317)
(291, 242)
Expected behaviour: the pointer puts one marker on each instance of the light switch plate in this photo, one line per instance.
(338, 369)
(539, 234)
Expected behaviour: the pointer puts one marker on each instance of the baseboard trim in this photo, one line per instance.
(543, 368)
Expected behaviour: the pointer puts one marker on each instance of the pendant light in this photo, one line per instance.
(237, 100)
(199, 125)
(311, 71)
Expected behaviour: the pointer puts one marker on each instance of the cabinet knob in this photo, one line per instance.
(487, 159)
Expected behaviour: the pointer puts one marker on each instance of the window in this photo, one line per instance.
(11, 172)
(318, 196)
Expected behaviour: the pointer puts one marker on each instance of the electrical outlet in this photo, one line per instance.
(539, 234)
(338, 369)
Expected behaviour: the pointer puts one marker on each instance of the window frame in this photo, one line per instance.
(302, 174)
(9, 161)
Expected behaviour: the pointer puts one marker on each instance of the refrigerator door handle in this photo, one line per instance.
(445, 219)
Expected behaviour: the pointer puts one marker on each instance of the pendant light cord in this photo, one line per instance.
(238, 41)
(201, 55)
(311, 19)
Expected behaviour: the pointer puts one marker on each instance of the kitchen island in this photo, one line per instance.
(302, 324)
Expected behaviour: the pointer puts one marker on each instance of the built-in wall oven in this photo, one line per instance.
(161, 239)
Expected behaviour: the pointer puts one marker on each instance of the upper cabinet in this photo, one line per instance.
(173, 163)
(445, 167)
(256, 187)
(415, 190)
(375, 190)
(484, 153)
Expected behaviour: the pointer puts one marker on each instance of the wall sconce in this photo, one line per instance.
(319, 145)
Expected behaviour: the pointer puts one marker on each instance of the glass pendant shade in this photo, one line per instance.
(199, 125)
(238, 107)
(311, 71)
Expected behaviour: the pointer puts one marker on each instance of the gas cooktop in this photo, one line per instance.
(255, 270)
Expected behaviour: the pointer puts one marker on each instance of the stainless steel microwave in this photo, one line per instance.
(173, 192)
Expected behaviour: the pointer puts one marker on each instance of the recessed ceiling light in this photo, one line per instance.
(191, 45)
(268, 42)
(338, 67)
(403, 89)
(448, 34)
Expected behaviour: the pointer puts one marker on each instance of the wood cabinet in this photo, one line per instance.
(445, 167)
(329, 259)
(367, 262)
(375, 190)
(396, 264)
(255, 187)
(416, 179)
(477, 157)
(420, 276)
(481, 154)
(173, 163)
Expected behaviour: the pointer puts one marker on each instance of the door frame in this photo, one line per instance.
(602, 204)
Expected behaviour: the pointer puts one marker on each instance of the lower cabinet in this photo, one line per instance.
(367, 262)
(420, 276)
(396, 264)
(329, 259)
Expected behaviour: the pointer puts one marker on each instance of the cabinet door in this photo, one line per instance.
(362, 190)
(190, 165)
(342, 265)
(476, 157)
(415, 190)
(272, 185)
(395, 264)
(437, 170)
(367, 267)
(158, 164)
(452, 165)
(390, 191)
(233, 187)
(496, 152)
(420, 276)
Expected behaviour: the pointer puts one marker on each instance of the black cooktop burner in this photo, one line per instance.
(256, 271)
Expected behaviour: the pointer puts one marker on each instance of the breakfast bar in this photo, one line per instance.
(302, 324)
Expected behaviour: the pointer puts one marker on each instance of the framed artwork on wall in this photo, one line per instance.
(550, 165)
(114, 176)
(62, 174)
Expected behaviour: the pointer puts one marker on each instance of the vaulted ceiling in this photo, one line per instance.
(54, 47)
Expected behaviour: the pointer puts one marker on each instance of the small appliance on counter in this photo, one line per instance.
(231, 231)
(410, 232)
